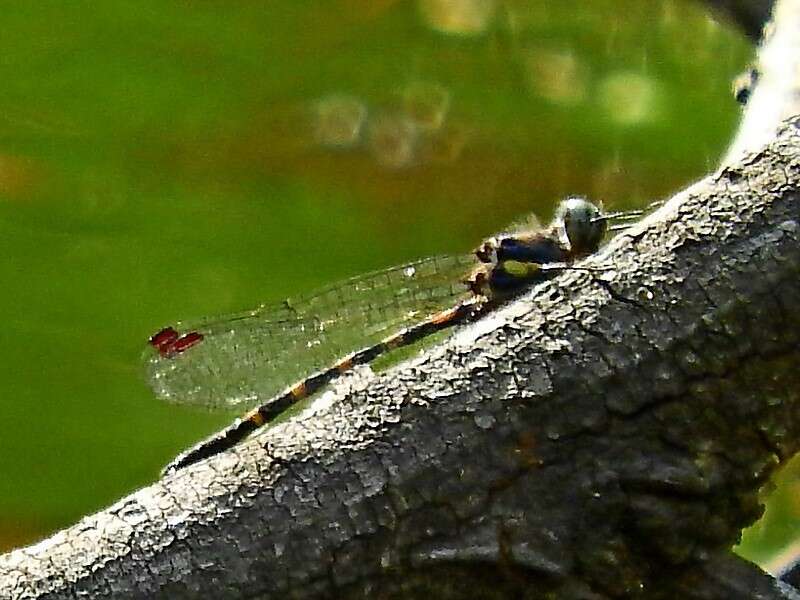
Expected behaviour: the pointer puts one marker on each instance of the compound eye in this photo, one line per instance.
(569, 226)
(584, 226)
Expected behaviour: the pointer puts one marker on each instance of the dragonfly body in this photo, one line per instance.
(242, 358)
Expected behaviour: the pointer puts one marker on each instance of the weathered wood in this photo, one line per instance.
(608, 433)
(604, 437)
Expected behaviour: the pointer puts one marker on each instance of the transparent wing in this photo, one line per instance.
(528, 223)
(247, 358)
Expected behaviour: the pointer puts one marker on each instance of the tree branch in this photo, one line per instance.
(748, 15)
(776, 95)
(605, 436)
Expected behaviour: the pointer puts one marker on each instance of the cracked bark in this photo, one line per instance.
(605, 436)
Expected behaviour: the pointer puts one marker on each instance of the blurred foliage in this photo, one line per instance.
(161, 160)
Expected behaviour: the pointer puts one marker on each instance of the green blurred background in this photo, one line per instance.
(163, 160)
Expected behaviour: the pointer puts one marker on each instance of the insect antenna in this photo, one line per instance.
(628, 215)
(620, 227)
(562, 266)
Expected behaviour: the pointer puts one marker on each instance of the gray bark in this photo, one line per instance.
(606, 436)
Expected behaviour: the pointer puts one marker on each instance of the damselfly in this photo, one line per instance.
(249, 358)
